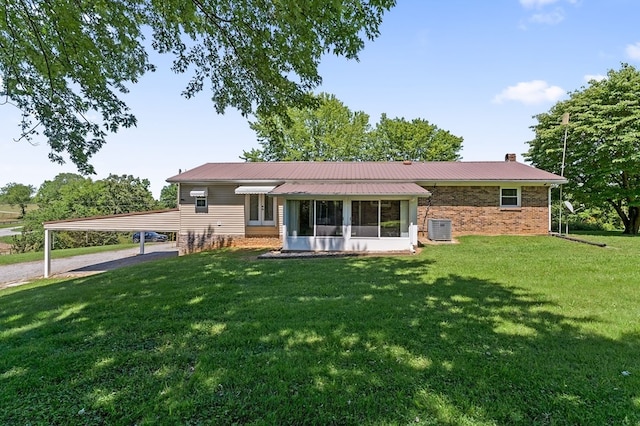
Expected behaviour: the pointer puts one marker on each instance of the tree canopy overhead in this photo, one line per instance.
(330, 131)
(603, 144)
(63, 62)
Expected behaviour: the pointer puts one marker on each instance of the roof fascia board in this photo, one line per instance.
(356, 197)
(443, 182)
(257, 182)
(490, 182)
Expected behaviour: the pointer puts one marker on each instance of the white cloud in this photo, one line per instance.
(537, 4)
(551, 18)
(530, 93)
(546, 14)
(633, 51)
(596, 77)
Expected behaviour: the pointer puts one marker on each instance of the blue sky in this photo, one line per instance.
(480, 69)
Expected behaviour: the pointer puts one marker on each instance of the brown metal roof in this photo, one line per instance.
(350, 189)
(367, 171)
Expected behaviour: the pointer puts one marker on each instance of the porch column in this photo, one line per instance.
(284, 237)
(413, 234)
(142, 241)
(47, 253)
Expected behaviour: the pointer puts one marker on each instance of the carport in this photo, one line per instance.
(160, 220)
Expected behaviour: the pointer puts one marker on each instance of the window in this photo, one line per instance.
(261, 209)
(328, 218)
(200, 199)
(201, 205)
(308, 218)
(387, 218)
(364, 218)
(509, 197)
(300, 218)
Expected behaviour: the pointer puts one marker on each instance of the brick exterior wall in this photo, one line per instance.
(196, 242)
(476, 210)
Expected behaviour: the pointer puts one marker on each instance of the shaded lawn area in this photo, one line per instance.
(494, 330)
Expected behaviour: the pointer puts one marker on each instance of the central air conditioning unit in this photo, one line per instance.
(439, 229)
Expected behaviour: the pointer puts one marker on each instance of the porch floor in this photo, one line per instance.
(277, 254)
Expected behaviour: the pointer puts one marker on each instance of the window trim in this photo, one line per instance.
(201, 208)
(518, 197)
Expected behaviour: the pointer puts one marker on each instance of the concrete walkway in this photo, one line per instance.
(21, 273)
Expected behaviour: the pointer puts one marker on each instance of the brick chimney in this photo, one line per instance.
(510, 157)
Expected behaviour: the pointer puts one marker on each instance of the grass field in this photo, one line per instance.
(9, 218)
(12, 213)
(490, 331)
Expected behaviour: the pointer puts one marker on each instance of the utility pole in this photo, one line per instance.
(565, 123)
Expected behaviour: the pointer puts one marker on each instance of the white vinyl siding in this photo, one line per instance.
(224, 216)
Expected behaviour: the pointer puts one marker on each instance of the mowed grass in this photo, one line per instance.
(490, 331)
(12, 213)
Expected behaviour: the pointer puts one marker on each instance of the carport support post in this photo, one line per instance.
(47, 253)
(142, 241)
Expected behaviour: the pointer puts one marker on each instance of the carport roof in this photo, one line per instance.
(158, 220)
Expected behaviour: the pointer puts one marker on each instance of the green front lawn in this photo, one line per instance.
(493, 330)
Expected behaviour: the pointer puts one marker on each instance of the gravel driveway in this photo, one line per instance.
(7, 232)
(86, 264)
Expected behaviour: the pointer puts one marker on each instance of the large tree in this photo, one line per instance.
(397, 139)
(17, 194)
(330, 131)
(602, 160)
(61, 62)
(169, 196)
(124, 194)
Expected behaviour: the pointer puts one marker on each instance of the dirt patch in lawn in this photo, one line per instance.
(5, 248)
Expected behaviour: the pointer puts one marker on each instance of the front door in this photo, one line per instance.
(261, 210)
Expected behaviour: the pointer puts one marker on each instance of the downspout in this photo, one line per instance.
(549, 208)
(179, 204)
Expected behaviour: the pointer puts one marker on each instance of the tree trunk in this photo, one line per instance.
(631, 221)
(632, 225)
